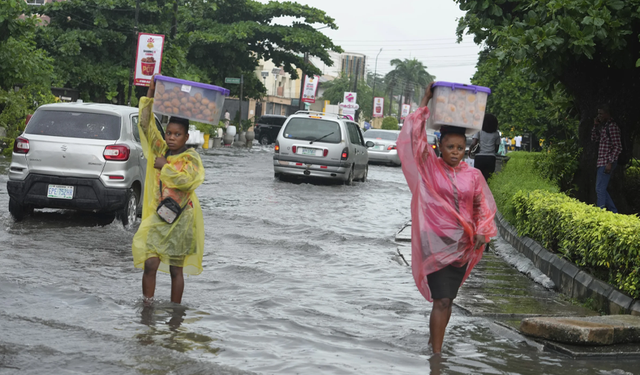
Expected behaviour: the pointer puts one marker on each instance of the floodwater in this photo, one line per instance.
(299, 278)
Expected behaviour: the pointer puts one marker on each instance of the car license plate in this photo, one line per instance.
(379, 147)
(60, 191)
(308, 151)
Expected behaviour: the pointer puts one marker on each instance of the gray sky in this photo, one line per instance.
(422, 29)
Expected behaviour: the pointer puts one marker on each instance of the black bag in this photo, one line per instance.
(625, 155)
(169, 210)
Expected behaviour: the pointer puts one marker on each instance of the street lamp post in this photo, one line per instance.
(375, 75)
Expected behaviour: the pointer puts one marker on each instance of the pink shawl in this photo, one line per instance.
(448, 208)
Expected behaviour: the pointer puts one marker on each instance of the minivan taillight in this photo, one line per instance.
(21, 145)
(294, 149)
(325, 152)
(276, 148)
(116, 152)
(345, 154)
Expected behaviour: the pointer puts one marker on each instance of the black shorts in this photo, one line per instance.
(446, 282)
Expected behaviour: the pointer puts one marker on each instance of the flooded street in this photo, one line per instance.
(298, 278)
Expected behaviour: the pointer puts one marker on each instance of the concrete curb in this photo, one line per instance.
(569, 279)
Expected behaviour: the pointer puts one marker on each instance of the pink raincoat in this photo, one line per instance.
(448, 208)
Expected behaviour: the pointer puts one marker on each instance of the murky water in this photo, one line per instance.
(298, 278)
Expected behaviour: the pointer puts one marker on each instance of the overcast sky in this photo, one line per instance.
(422, 29)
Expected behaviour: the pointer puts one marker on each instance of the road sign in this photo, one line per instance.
(235, 81)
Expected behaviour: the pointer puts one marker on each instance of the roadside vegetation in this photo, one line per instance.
(605, 244)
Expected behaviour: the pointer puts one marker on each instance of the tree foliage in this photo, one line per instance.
(590, 47)
(21, 63)
(334, 92)
(409, 78)
(390, 123)
(93, 42)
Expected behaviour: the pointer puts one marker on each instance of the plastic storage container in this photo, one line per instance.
(458, 105)
(193, 100)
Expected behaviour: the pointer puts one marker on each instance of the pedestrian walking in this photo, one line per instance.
(171, 235)
(452, 215)
(518, 140)
(488, 140)
(606, 132)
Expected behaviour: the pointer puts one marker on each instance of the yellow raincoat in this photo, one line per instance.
(181, 243)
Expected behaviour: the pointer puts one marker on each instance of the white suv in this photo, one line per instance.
(312, 144)
(79, 156)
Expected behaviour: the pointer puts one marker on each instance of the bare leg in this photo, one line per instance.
(149, 277)
(177, 284)
(440, 314)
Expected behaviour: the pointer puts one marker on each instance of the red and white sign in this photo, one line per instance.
(350, 97)
(148, 58)
(406, 108)
(378, 106)
(310, 89)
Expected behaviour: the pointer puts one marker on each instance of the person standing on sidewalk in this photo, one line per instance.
(452, 215)
(606, 132)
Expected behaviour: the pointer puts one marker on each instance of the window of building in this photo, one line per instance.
(35, 2)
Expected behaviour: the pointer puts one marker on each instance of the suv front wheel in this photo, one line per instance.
(264, 140)
(129, 212)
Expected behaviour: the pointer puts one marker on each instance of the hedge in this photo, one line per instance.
(606, 244)
(519, 174)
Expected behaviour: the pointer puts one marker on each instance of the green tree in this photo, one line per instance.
(334, 92)
(590, 47)
(21, 62)
(22, 65)
(92, 41)
(390, 123)
(523, 106)
(412, 76)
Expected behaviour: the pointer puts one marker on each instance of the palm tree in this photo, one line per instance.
(391, 81)
(412, 75)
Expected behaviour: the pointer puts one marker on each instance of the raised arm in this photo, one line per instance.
(153, 144)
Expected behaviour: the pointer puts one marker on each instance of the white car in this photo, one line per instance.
(384, 150)
(312, 144)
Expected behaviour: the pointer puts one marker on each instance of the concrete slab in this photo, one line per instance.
(595, 330)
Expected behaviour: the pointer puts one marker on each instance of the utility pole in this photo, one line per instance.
(302, 78)
(375, 75)
(133, 55)
(241, 87)
(174, 24)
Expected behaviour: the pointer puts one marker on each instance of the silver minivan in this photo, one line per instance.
(79, 156)
(313, 144)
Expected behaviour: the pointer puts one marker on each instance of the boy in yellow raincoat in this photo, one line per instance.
(175, 248)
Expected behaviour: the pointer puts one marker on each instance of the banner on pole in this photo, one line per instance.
(378, 106)
(406, 108)
(310, 89)
(148, 58)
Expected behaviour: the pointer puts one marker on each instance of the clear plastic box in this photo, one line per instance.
(457, 104)
(193, 100)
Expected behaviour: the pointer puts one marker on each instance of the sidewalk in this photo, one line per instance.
(498, 291)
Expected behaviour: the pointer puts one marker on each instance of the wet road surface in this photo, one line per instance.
(298, 278)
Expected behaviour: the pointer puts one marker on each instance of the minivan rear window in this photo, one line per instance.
(74, 125)
(312, 130)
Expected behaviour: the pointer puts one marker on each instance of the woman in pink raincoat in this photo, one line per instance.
(452, 215)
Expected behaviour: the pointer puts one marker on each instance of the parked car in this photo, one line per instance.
(384, 149)
(79, 156)
(267, 128)
(433, 141)
(313, 144)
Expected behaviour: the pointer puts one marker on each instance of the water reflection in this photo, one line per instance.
(165, 322)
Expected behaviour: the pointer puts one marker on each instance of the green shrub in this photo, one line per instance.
(559, 163)
(519, 174)
(389, 123)
(606, 244)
